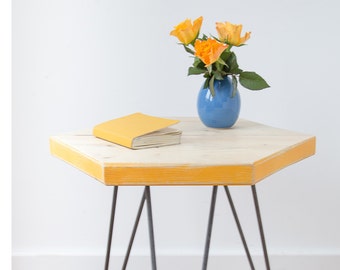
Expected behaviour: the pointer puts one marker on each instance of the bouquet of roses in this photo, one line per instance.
(213, 56)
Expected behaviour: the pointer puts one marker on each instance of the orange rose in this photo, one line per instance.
(187, 32)
(209, 50)
(231, 33)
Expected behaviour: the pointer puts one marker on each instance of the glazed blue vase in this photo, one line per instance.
(221, 110)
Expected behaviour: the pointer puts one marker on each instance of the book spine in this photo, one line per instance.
(114, 138)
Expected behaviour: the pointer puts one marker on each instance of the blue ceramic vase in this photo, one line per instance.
(222, 109)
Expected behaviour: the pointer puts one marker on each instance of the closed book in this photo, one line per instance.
(138, 130)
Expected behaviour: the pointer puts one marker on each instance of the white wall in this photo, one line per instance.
(77, 63)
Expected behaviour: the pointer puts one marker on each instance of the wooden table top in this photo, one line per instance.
(242, 155)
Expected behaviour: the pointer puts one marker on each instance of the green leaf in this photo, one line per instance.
(199, 63)
(221, 61)
(225, 55)
(252, 81)
(219, 67)
(187, 49)
(196, 71)
(233, 65)
(234, 83)
(211, 86)
(218, 75)
(209, 68)
(206, 83)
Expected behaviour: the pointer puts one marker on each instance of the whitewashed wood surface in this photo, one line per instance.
(242, 155)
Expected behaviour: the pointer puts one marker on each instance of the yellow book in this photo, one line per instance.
(138, 131)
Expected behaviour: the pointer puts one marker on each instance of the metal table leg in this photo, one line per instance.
(151, 233)
(146, 197)
(134, 231)
(113, 210)
(258, 214)
(210, 224)
(238, 224)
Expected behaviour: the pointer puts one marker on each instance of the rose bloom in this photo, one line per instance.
(187, 32)
(209, 50)
(231, 33)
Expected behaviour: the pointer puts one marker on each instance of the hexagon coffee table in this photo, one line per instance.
(242, 155)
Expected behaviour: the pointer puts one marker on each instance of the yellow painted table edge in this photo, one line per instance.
(278, 161)
(183, 175)
(124, 175)
(76, 159)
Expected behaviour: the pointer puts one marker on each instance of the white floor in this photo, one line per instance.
(278, 262)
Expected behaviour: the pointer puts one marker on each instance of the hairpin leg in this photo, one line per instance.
(210, 224)
(113, 210)
(238, 224)
(146, 197)
(134, 231)
(258, 214)
(151, 232)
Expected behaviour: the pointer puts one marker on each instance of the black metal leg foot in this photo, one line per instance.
(151, 232)
(113, 210)
(238, 224)
(210, 224)
(134, 231)
(146, 197)
(258, 214)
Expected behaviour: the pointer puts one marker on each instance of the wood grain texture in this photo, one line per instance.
(242, 155)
